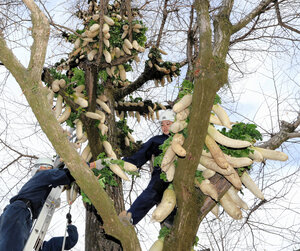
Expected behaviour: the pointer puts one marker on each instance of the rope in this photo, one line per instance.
(69, 221)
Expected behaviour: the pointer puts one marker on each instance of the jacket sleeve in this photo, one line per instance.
(54, 177)
(72, 239)
(56, 243)
(142, 155)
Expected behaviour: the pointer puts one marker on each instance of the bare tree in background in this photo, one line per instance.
(212, 42)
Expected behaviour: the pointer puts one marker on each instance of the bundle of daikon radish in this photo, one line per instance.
(212, 161)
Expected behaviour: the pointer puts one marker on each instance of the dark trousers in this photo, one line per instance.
(15, 225)
(150, 197)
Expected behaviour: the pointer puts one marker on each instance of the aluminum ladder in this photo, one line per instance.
(42, 223)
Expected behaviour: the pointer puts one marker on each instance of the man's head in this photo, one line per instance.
(42, 164)
(166, 120)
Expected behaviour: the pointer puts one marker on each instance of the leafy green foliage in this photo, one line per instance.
(80, 31)
(119, 162)
(241, 170)
(157, 160)
(243, 131)
(137, 174)
(85, 199)
(122, 125)
(171, 186)
(243, 152)
(217, 100)
(127, 67)
(163, 147)
(115, 32)
(78, 77)
(164, 231)
(199, 176)
(187, 87)
(91, 22)
(58, 75)
(155, 53)
(140, 37)
(240, 131)
(105, 177)
(135, 100)
(196, 241)
(103, 75)
(163, 176)
(70, 120)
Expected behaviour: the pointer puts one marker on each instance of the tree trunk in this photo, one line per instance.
(95, 237)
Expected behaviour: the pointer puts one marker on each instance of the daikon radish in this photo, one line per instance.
(104, 106)
(207, 188)
(216, 152)
(58, 106)
(118, 171)
(168, 157)
(157, 245)
(103, 128)
(170, 172)
(271, 154)
(234, 178)
(222, 115)
(79, 129)
(166, 205)
(212, 165)
(256, 155)
(183, 103)
(230, 207)
(93, 115)
(183, 115)
(233, 193)
(178, 126)
(65, 115)
(223, 140)
(250, 184)
(130, 167)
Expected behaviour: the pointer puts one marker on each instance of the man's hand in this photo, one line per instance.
(126, 218)
(98, 164)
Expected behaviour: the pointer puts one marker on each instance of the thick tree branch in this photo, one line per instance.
(205, 33)
(248, 18)
(287, 131)
(142, 79)
(222, 30)
(10, 61)
(190, 46)
(40, 35)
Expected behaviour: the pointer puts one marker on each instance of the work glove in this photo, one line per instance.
(126, 218)
(99, 165)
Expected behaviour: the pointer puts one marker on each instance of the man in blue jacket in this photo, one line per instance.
(16, 219)
(152, 195)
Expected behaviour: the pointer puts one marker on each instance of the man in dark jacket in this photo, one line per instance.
(152, 195)
(16, 219)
